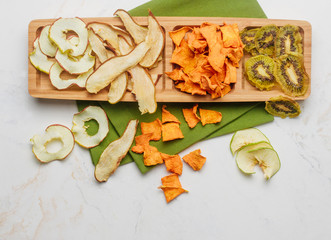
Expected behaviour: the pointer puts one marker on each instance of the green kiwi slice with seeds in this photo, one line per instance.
(288, 41)
(283, 107)
(265, 39)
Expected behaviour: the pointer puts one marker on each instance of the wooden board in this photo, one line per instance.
(40, 86)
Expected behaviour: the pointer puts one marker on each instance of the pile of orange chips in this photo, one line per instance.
(206, 58)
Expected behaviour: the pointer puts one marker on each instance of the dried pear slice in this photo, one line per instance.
(291, 75)
(115, 152)
(59, 83)
(265, 39)
(248, 38)
(112, 68)
(79, 129)
(260, 72)
(98, 48)
(156, 38)
(282, 107)
(54, 132)
(137, 31)
(45, 43)
(246, 137)
(58, 34)
(117, 88)
(39, 60)
(76, 65)
(288, 41)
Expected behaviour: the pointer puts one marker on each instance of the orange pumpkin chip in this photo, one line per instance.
(171, 131)
(190, 117)
(171, 187)
(173, 163)
(167, 116)
(178, 35)
(230, 35)
(142, 141)
(152, 127)
(209, 116)
(152, 156)
(195, 160)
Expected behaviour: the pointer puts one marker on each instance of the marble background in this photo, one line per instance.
(62, 200)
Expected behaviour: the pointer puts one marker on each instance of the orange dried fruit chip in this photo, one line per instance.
(178, 35)
(173, 163)
(209, 116)
(195, 160)
(190, 116)
(152, 156)
(171, 187)
(152, 127)
(167, 116)
(171, 131)
(142, 141)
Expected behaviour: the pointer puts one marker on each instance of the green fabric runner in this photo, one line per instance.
(236, 116)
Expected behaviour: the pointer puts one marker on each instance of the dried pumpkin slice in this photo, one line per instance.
(171, 187)
(117, 88)
(210, 116)
(113, 67)
(156, 38)
(79, 129)
(115, 152)
(39, 60)
(283, 107)
(58, 34)
(190, 116)
(173, 163)
(46, 45)
(137, 31)
(195, 159)
(152, 127)
(59, 83)
(53, 133)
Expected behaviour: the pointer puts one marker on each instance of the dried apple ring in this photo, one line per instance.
(46, 45)
(79, 129)
(39, 60)
(58, 34)
(53, 133)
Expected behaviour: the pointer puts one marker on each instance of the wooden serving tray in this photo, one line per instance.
(41, 87)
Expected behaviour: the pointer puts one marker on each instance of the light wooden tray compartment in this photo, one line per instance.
(40, 86)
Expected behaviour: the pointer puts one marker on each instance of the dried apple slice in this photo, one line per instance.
(58, 34)
(137, 31)
(39, 60)
(59, 83)
(54, 132)
(79, 129)
(112, 68)
(115, 152)
(156, 38)
(46, 45)
(117, 88)
(76, 65)
(98, 48)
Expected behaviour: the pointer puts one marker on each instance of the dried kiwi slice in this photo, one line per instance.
(248, 38)
(288, 41)
(283, 107)
(265, 39)
(260, 72)
(291, 75)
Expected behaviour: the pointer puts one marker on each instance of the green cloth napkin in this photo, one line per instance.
(236, 116)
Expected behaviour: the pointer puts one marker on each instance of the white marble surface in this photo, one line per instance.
(62, 200)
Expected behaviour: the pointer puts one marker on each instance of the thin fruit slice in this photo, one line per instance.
(79, 129)
(112, 68)
(59, 83)
(282, 107)
(46, 45)
(39, 60)
(58, 34)
(266, 158)
(245, 137)
(115, 152)
(137, 31)
(288, 41)
(265, 39)
(156, 38)
(248, 38)
(54, 132)
(98, 48)
(117, 88)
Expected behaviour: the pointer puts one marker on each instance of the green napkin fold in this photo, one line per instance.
(236, 116)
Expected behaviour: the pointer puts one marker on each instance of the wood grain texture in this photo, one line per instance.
(40, 86)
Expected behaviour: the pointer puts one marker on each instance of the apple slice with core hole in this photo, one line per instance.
(245, 137)
(46, 45)
(54, 132)
(115, 152)
(79, 129)
(59, 83)
(258, 154)
(58, 34)
(39, 60)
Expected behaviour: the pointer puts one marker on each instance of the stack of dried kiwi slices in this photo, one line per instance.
(277, 57)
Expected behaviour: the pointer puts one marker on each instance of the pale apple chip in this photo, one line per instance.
(171, 187)
(190, 116)
(154, 127)
(195, 160)
(39, 60)
(117, 88)
(171, 131)
(152, 156)
(98, 47)
(115, 152)
(173, 163)
(167, 117)
(142, 142)
(47, 46)
(209, 116)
